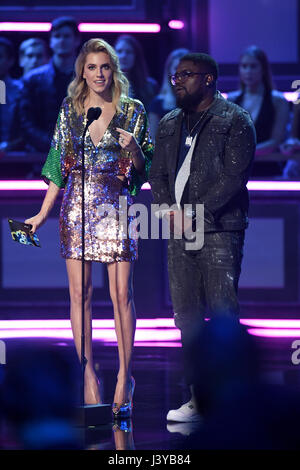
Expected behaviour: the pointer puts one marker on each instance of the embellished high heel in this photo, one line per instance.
(125, 410)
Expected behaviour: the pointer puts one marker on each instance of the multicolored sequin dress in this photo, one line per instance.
(106, 239)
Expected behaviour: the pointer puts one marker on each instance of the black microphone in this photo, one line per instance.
(92, 115)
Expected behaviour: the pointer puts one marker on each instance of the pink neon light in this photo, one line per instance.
(270, 323)
(142, 323)
(273, 185)
(119, 27)
(104, 334)
(35, 324)
(65, 324)
(35, 185)
(176, 24)
(85, 27)
(37, 333)
(162, 344)
(156, 331)
(156, 344)
(22, 26)
(141, 335)
(20, 185)
(274, 333)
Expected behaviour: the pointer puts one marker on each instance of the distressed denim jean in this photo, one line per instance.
(204, 283)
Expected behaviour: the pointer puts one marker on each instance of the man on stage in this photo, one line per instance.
(204, 150)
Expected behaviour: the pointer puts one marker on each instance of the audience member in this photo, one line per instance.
(291, 145)
(165, 101)
(267, 107)
(133, 64)
(46, 87)
(240, 409)
(12, 90)
(39, 395)
(33, 53)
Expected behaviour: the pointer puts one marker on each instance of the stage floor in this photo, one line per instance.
(159, 387)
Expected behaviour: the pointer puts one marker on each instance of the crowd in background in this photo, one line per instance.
(28, 118)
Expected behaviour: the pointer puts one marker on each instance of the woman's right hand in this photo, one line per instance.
(37, 221)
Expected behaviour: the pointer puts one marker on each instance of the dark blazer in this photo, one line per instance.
(39, 107)
(220, 166)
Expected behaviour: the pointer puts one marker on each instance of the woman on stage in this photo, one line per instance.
(118, 152)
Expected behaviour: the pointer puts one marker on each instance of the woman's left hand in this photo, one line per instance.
(128, 141)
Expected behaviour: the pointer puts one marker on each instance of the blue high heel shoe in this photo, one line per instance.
(125, 410)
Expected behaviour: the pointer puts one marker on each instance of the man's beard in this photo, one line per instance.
(189, 101)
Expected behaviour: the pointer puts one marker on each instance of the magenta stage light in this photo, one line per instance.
(150, 332)
(142, 323)
(119, 27)
(270, 323)
(176, 24)
(22, 26)
(158, 344)
(273, 185)
(84, 27)
(36, 333)
(275, 332)
(141, 334)
(33, 185)
(65, 324)
(34, 324)
(23, 185)
(103, 334)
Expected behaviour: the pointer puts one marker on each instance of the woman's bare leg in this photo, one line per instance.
(91, 385)
(121, 292)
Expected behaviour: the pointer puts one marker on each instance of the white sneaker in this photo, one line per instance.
(187, 413)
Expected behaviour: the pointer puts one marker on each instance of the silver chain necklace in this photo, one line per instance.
(189, 139)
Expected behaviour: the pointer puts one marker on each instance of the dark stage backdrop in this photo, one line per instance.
(222, 28)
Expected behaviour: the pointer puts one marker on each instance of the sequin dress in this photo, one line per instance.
(107, 236)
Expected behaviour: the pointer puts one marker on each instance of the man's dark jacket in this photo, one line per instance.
(220, 166)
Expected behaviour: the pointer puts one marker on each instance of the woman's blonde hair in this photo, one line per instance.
(78, 89)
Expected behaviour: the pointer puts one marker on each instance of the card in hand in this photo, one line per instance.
(20, 233)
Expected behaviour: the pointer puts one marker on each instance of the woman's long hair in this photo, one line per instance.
(166, 91)
(262, 58)
(138, 74)
(78, 89)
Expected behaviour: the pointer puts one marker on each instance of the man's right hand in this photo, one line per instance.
(179, 222)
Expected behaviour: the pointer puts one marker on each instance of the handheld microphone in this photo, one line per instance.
(92, 115)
